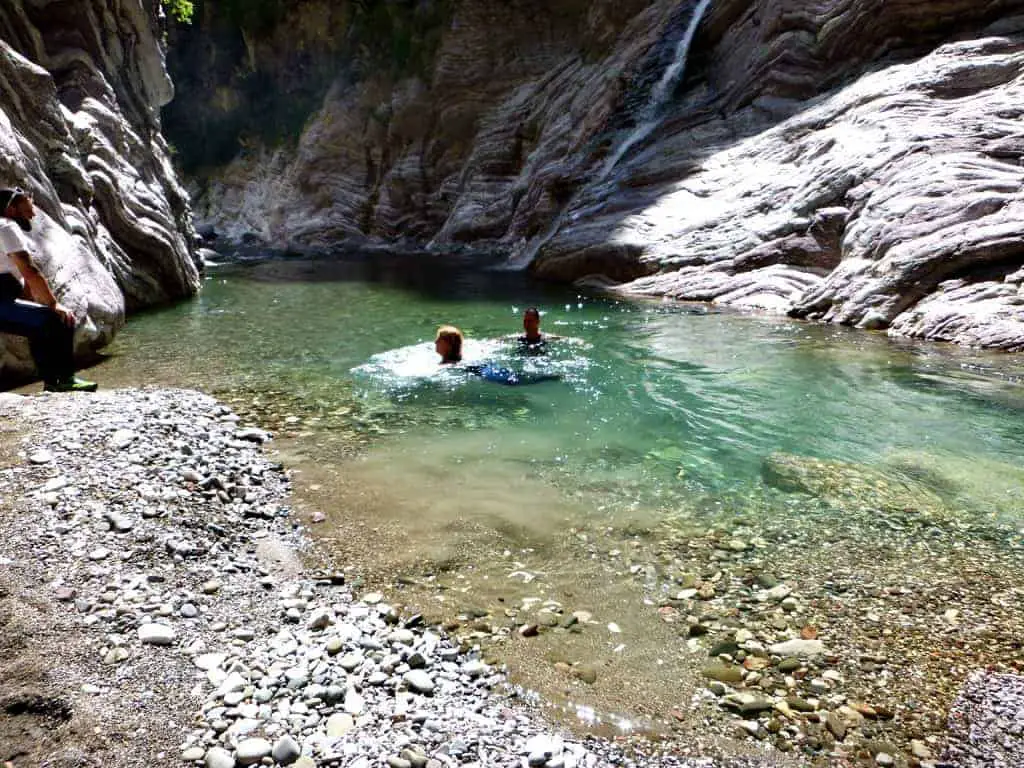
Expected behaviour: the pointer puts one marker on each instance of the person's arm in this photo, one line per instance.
(38, 287)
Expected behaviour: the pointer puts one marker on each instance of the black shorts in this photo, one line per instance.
(10, 287)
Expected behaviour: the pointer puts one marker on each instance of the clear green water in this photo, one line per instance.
(661, 425)
(659, 402)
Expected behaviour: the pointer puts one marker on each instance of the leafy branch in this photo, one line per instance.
(180, 10)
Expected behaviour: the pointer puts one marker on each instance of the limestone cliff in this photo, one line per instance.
(856, 161)
(82, 82)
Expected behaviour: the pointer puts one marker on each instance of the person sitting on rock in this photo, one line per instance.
(27, 305)
(448, 344)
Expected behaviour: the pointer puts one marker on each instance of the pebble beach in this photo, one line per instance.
(160, 610)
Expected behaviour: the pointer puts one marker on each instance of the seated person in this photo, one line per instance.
(28, 306)
(448, 344)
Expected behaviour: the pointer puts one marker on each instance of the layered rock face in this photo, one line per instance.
(855, 161)
(82, 84)
(892, 201)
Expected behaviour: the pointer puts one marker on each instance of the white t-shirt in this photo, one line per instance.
(11, 241)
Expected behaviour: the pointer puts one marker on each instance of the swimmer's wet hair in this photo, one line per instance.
(532, 311)
(453, 336)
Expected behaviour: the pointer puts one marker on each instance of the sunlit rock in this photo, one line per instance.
(852, 161)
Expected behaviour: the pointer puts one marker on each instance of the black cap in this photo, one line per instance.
(10, 196)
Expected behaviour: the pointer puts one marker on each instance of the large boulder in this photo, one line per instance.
(82, 84)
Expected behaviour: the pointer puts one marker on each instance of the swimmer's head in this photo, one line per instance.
(531, 323)
(448, 344)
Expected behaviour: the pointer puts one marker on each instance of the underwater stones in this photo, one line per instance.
(586, 673)
(747, 703)
(798, 648)
(850, 484)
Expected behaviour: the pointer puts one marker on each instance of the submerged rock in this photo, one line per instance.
(798, 648)
(855, 485)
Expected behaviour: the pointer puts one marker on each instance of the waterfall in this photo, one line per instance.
(650, 114)
(649, 118)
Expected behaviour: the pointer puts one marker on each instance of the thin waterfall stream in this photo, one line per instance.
(650, 118)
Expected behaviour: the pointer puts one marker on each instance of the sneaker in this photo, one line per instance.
(74, 384)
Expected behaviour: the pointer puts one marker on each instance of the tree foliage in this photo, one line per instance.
(180, 10)
(253, 71)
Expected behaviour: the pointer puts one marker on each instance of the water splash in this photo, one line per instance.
(650, 116)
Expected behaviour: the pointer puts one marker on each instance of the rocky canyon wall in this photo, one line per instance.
(81, 86)
(855, 161)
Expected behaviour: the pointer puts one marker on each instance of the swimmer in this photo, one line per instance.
(532, 340)
(448, 344)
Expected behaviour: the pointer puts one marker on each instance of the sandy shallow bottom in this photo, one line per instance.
(108, 529)
(905, 602)
(660, 628)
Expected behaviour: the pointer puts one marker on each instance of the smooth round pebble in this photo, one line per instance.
(219, 758)
(251, 751)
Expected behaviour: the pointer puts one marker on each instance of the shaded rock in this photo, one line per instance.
(113, 231)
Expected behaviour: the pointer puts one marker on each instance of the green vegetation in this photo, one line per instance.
(400, 37)
(251, 72)
(180, 10)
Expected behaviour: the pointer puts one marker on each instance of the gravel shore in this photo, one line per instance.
(155, 609)
(986, 723)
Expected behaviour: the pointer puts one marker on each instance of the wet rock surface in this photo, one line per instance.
(80, 129)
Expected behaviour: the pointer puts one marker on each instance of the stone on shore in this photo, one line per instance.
(286, 751)
(419, 681)
(252, 751)
(156, 634)
(219, 758)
